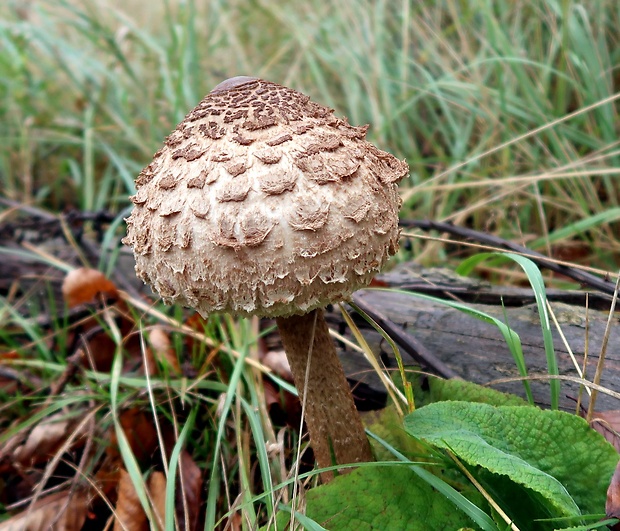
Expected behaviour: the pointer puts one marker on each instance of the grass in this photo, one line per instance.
(506, 112)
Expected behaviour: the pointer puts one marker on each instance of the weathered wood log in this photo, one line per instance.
(475, 350)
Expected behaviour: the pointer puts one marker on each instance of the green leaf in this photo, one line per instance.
(391, 497)
(552, 453)
(453, 389)
(387, 424)
(459, 500)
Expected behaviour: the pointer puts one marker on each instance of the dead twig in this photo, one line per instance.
(587, 279)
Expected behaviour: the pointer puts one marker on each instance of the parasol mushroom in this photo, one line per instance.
(262, 202)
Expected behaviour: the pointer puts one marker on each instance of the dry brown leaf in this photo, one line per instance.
(108, 475)
(277, 361)
(192, 489)
(129, 513)
(149, 364)
(374, 283)
(235, 522)
(58, 512)
(100, 349)
(8, 386)
(45, 439)
(272, 395)
(283, 407)
(612, 506)
(83, 284)
(139, 429)
(197, 323)
(100, 352)
(162, 349)
(607, 423)
(157, 490)
(12, 378)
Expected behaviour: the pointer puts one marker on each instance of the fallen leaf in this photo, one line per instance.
(100, 351)
(157, 490)
(191, 487)
(277, 361)
(139, 429)
(83, 284)
(612, 505)
(192, 490)
(374, 283)
(45, 439)
(60, 511)
(193, 343)
(129, 515)
(283, 407)
(197, 322)
(607, 423)
(8, 386)
(108, 475)
(12, 379)
(91, 333)
(271, 394)
(235, 522)
(100, 348)
(162, 349)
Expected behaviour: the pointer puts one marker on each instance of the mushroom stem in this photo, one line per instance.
(333, 421)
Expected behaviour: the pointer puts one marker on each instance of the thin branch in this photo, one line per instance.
(603, 285)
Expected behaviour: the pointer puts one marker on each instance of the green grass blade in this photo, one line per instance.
(512, 339)
(214, 484)
(308, 523)
(261, 450)
(174, 464)
(129, 459)
(538, 287)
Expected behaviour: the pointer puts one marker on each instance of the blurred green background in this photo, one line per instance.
(505, 111)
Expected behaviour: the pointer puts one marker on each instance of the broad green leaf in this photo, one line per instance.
(552, 453)
(453, 389)
(381, 498)
(462, 502)
(388, 424)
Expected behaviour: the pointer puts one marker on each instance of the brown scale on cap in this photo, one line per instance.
(263, 202)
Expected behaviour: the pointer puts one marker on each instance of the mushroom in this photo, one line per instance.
(262, 202)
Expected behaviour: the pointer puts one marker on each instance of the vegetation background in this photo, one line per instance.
(507, 113)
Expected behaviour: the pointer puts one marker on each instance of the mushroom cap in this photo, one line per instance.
(262, 202)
